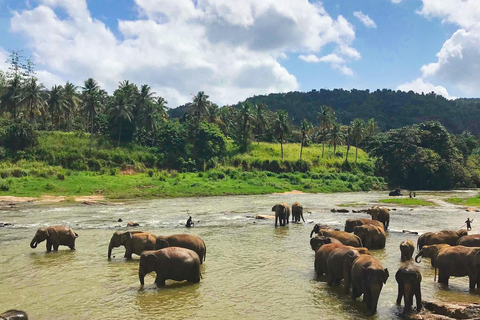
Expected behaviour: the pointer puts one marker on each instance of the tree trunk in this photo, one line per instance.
(323, 147)
(301, 147)
(91, 131)
(119, 133)
(348, 150)
(281, 144)
(356, 151)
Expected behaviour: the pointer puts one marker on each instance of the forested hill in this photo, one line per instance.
(391, 109)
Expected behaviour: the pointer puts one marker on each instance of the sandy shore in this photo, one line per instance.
(52, 199)
(290, 192)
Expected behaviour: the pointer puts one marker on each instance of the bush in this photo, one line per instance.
(20, 136)
(60, 176)
(4, 185)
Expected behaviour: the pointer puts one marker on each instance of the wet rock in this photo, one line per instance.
(132, 224)
(5, 224)
(14, 315)
(472, 210)
(343, 210)
(120, 220)
(355, 211)
(439, 310)
(409, 232)
(264, 217)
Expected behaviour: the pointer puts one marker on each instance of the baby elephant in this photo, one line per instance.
(55, 236)
(406, 249)
(170, 263)
(297, 212)
(409, 278)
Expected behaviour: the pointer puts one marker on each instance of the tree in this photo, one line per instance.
(326, 117)
(12, 96)
(123, 102)
(72, 101)
(91, 98)
(34, 97)
(304, 128)
(358, 129)
(199, 107)
(335, 136)
(145, 104)
(282, 126)
(56, 104)
(245, 117)
(260, 122)
(214, 116)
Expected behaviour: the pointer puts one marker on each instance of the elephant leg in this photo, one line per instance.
(301, 215)
(401, 293)
(442, 277)
(55, 246)
(367, 297)
(473, 281)
(331, 279)
(355, 293)
(276, 220)
(160, 281)
(418, 296)
(128, 253)
(49, 245)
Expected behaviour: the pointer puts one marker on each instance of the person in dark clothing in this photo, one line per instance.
(189, 223)
(469, 224)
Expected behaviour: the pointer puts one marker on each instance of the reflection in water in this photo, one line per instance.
(252, 270)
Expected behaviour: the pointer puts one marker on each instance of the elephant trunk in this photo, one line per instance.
(110, 247)
(408, 288)
(33, 244)
(417, 256)
(141, 276)
(375, 294)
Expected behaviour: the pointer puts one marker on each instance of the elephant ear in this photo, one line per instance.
(386, 274)
(161, 243)
(45, 230)
(125, 236)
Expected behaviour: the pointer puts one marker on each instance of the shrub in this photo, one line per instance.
(4, 185)
(60, 176)
(20, 136)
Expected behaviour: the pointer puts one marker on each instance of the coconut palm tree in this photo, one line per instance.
(92, 100)
(12, 96)
(358, 133)
(335, 136)
(305, 127)
(121, 109)
(145, 102)
(72, 101)
(245, 116)
(347, 134)
(260, 122)
(282, 126)
(199, 107)
(326, 117)
(56, 105)
(214, 116)
(34, 97)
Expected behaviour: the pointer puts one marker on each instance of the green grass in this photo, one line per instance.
(470, 202)
(408, 202)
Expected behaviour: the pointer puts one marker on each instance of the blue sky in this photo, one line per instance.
(234, 49)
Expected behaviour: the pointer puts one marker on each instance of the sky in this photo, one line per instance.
(236, 49)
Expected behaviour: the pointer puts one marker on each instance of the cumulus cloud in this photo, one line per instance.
(396, 1)
(229, 49)
(365, 19)
(420, 86)
(336, 61)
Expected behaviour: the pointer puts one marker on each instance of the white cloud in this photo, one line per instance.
(420, 86)
(396, 1)
(365, 19)
(465, 13)
(229, 49)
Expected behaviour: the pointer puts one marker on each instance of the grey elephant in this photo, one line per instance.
(472, 240)
(444, 236)
(409, 278)
(133, 241)
(297, 212)
(373, 237)
(56, 236)
(346, 238)
(406, 250)
(13, 314)
(430, 251)
(339, 264)
(319, 226)
(459, 261)
(368, 277)
(282, 213)
(170, 263)
(381, 214)
(184, 241)
(318, 241)
(352, 223)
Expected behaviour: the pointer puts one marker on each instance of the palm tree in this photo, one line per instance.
(245, 116)
(12, 96)
(72, 100)
(56, 104)
(145, 100)
(282, 126)
(358, 133)
(121, 109)
(214, 116)
(347, 133)
(335, 136)
(326, 117)
(305, 127)
(199, 107)
(259, 114)
(91, 98)
(34, 97)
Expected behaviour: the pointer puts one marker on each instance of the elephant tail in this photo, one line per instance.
(435, 277)
(205, 254)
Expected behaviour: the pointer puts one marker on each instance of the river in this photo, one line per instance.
(252, 270)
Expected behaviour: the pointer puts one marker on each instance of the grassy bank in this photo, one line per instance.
(408, 202)
(63, 164)
(470, 202)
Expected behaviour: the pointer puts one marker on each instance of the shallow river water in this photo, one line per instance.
(252, 270)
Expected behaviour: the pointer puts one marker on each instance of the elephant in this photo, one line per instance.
(472, 240)
(373, 237)
(352, 223)
(430, 251)
(406, 250)
(444, 236)
(339, 264)
(346, 238)
(133, 241)
(459, 261)
(187, 241)
(368, 277)
(321, 256)
(282, 213)
(409, 278)
(395, 193)
(13, 314)
(318, 241)
(319, 226)
(56, 236)
(381, 214)
(170, 263)
(297, 212)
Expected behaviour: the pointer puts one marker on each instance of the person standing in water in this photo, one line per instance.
(469, 224)
(189, 223)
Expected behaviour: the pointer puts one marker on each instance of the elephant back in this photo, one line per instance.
(187, 241)
(472, 240)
